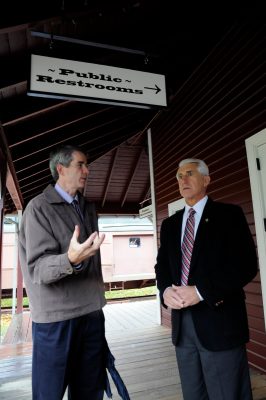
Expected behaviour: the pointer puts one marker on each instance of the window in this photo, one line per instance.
(134, 242)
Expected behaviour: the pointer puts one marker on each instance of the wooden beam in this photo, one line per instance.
(55, 128)
(13, 189)
(110, 175)
(114, 208)
(11, 180)
(19, 308)
(3, 167)
(35, 113)
(132, 177)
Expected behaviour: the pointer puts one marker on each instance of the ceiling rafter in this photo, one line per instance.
(73, 121)
(35, 114)
(133, 173)
(12, 183)
(114, 161)
(37, 186)
(32, 165)
(112, 140)
(18, 85)
(34, 126)
(31, 175)
(95, 139)
(22, 187)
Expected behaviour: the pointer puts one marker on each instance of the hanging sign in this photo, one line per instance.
(60, 78)
(145, 212)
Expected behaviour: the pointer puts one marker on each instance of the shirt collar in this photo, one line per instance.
(198, 207)
(64, 194)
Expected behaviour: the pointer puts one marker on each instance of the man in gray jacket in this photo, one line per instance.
(60, 260)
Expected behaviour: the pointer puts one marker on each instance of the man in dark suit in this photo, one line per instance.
(207, 255)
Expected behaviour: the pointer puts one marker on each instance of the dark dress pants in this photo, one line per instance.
(69, 354)
(210, 375)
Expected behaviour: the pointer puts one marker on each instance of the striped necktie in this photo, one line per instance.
(187, 246)
(75, 204)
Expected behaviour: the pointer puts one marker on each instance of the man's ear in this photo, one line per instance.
(60, 169)
(207, 180)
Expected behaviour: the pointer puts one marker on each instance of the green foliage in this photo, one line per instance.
(7, 303)
(4, 324)
(113, 294)
(118, 294)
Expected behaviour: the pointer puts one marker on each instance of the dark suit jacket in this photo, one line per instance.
(223, 261)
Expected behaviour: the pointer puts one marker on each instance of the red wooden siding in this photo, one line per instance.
(210, 117)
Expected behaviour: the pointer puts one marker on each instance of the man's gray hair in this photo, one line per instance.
(61, 155)
(201, 165)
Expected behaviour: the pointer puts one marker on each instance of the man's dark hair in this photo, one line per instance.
(62, 155)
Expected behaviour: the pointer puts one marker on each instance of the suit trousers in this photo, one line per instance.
(69, 354)
(210, 375)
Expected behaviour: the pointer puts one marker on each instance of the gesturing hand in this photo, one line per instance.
(78, 252)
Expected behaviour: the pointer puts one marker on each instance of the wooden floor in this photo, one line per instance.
(144, 356)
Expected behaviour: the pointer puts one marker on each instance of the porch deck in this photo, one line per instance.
(143, 351)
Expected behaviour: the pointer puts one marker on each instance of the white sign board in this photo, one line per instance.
(145, 212)
(56, 77)
(175, 206)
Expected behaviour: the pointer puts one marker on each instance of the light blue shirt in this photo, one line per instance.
(64, 194)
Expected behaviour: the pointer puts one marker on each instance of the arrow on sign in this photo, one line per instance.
(156, 88)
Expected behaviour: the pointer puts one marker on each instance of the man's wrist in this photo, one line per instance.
(76, 267)
(169, 287)
(198, 293)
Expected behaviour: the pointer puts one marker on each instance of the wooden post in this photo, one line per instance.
(19, 276)
(3, 171)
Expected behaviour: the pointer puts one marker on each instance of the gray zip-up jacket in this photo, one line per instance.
(56, 291)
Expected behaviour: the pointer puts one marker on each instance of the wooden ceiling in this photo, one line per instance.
(155, 36)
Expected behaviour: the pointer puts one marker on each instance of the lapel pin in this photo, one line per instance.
(206, 219)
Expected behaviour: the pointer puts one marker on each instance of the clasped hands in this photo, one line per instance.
(78, 252)
(178, 297)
